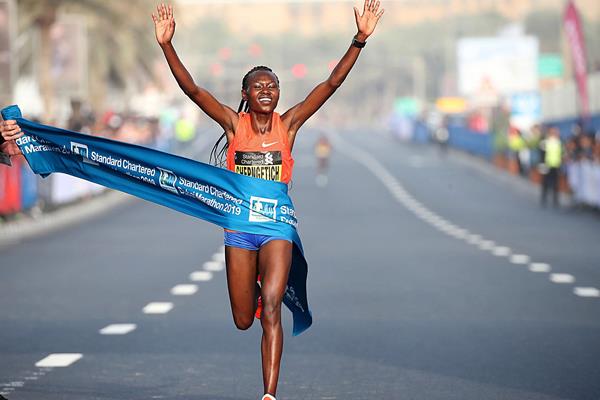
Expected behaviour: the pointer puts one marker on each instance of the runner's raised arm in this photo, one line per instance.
(164, 24)
(301, 112)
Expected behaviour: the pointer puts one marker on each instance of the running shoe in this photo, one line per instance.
(258, 312)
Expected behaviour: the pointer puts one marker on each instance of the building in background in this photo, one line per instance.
(7, 62)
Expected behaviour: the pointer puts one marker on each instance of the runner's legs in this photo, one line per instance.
(274, 262)
(242, 272)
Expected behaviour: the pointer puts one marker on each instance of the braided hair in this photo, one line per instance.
(217, 155)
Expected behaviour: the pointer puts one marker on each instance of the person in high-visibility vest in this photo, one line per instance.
(553, 155)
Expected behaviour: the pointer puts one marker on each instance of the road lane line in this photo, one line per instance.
(519, 259)
(158, 308)
(118, 329)
(562, 278)
(501, 251)
(437, 221)
(586, 292)
(201, 276)
(486, 244)
(213, 266)
(186, 289)
(474, 239)
(59, 360)
(539, 267)
(219, 257)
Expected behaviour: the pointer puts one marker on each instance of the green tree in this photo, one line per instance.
(121, 44)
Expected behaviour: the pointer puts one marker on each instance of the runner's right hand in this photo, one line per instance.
(10, 130)
(164, 24)
(10, 148)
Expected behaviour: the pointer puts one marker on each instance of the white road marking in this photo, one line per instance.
(562, 278)
(201, 276)
(519, 259)
(118, 329)
(420, 211)
(15, 384)
(59, 360)
(501, 251)
(213, 266)
(220, 257)
(586, 292)
(186, 289)
(474, 239)
(486, 244)
(539, 267)
(158, 308)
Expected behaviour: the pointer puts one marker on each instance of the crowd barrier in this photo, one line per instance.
(566, 125)
(584, 181)
(10, 188)
(478, 143)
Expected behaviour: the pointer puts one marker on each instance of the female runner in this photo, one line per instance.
(259, 144)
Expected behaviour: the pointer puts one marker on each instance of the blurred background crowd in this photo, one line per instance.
(501, 79)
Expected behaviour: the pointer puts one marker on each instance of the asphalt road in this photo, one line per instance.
(429, 279)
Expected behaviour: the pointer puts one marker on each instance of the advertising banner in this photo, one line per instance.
(572, 27)
(497, 66)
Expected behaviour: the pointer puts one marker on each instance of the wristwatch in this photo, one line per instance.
(357, 43)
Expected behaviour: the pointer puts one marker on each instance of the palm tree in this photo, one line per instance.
(119, 36)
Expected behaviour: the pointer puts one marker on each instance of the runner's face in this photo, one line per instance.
(262, 92)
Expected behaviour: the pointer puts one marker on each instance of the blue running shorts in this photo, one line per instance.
(248, 241)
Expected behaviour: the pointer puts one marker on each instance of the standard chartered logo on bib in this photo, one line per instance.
(262, 209)
(269, 159)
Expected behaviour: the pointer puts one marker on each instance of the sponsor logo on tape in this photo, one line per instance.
(262, 209)
(82, 150)
(167, 180)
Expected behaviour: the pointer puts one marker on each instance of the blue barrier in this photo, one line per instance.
(421, 132)
(566, 125)
(481, 144)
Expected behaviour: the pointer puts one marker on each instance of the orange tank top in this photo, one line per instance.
(265, 156)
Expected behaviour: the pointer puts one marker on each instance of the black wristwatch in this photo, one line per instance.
(357, 43)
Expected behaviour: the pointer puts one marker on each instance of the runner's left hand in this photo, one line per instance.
(368, 20)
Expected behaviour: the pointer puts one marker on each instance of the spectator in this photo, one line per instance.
(553, 154)
(586, 147)
(518, 149)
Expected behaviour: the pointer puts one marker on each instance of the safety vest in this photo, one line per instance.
(553, 153)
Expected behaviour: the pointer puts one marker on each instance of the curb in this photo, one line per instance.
(14, 232)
